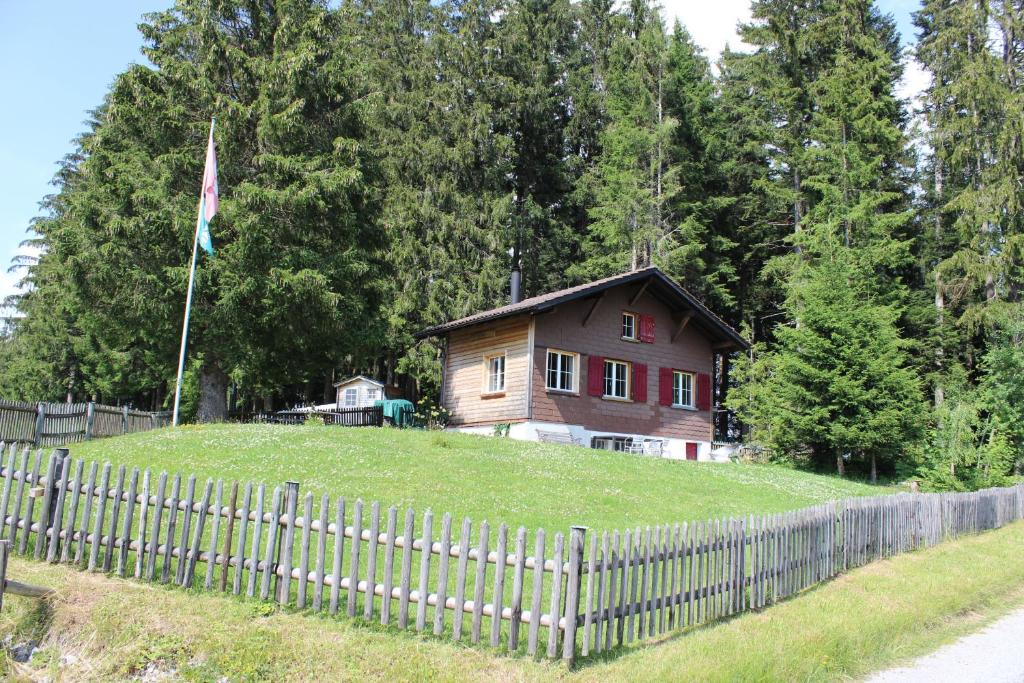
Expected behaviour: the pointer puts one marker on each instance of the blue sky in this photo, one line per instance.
(57, 59)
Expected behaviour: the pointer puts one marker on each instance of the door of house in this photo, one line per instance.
(691, 451)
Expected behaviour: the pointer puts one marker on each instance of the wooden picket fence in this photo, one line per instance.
(371, 416)
(56, 424)
(573, 595)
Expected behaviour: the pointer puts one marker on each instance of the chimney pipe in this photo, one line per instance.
(517, 279)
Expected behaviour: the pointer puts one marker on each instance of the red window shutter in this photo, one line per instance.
(665, 386)
(647, 329)
(595, 376)
(640, 382)
(703, 391)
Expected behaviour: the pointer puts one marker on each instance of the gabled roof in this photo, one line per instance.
(660, 285)
(358, 377)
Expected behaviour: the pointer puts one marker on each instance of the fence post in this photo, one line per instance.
(54, 470)
(285, 541)
(40, 421)
(90, 419)
(572, 592)
(225, 561)
(5, 547)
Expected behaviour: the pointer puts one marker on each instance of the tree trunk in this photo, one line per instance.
(940, 352)
(328, 396)
(874, 469)
(940, 295)
(213, 393)
(723, 389)
(840, 465)
(797, 209)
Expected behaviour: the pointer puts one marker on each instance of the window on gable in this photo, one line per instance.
(616, 379)
(628, 325)
(561, 371)
(351, 398)
(682, 389)
(495, 367)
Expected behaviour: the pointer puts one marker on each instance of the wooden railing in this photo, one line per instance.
(560, 595)
(372, 416)
(56, 424)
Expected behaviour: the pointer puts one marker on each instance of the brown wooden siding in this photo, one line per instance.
(464, 372)
(562, 329)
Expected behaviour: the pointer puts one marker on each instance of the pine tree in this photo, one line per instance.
(753, 217)
(292, 287)
(973, 110)
(973, 51)
(836, 386)
(596, 23)
(843, 154)
(531, 112)
(634, 178)
(696, 252)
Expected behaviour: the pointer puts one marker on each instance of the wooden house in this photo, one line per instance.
(623, 363)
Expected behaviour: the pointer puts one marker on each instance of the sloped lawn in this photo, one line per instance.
(485, 478)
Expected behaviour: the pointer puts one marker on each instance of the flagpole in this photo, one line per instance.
(184, 327)
(188, 309)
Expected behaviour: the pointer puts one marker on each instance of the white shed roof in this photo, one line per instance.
(358, 378)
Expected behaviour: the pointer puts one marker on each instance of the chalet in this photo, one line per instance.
(622, 363)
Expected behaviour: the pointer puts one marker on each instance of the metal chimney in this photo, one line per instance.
(516, 283)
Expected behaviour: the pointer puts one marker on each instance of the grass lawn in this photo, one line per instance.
(498, 480)
(101, 628)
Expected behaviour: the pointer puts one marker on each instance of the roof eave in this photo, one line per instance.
(708, 318)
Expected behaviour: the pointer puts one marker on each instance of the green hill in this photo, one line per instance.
(500, 480)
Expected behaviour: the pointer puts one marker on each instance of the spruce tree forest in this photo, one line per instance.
(384, 163)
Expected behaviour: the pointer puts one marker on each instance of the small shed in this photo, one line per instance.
(361, 391)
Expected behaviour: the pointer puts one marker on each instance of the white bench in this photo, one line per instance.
(558, 437)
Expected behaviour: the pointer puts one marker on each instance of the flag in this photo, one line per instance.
(209, 201)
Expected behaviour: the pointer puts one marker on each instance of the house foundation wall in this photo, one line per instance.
(675, 449)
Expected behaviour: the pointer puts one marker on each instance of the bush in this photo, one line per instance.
(430, 415)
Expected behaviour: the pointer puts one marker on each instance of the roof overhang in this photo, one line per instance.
(653, 282)
(358, 378)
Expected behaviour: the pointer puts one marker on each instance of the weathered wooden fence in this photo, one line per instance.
(372, 416)
(16, 587)
(561, 595)
(56, 424)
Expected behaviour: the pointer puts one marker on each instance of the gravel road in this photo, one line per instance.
(992, 655)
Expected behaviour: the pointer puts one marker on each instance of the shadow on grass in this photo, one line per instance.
(674, 635)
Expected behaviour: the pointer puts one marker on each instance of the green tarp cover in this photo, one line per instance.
(399, 410)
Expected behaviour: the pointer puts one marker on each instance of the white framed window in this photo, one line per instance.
(351, 398)
(562, 373)
(494, 373)
(629, 325)
(616, 379)
(682, 389)
(372, 394)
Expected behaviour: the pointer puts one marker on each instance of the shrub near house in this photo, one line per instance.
(623, 363)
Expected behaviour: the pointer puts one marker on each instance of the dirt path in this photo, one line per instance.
(992, 655)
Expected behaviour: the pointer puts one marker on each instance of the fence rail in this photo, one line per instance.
(57, 424)
(559, 595)
(372, 416)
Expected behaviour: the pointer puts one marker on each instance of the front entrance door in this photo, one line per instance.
(691, 451)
